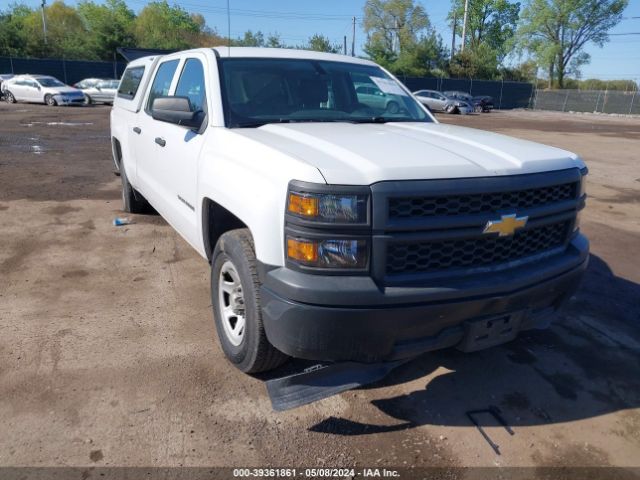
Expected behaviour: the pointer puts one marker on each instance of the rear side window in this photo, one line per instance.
(130, 82)
(191, 84)
(162, 81)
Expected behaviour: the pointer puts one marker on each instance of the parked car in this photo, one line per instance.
(102, 91)
(3, 78)
(483, 103)
(335, 232)
(439, 102)
(41, 89)
(372, 96)
(88, 82)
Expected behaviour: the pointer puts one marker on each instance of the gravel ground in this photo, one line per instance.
(109, 356)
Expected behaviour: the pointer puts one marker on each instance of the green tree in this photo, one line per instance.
(477, 62)
(162, 26)
(489, 22)
(320, 43)
(393, 24)
(109, 26)
(13, 35)
(66, 33)
(258, 39)
(556, 31)
(400, 37)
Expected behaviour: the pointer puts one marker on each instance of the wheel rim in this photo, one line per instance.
(50, 101)
(231, 301)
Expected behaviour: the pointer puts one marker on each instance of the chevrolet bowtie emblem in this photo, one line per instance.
(507, 225)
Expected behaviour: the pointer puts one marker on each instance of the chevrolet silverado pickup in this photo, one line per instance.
(339, 228)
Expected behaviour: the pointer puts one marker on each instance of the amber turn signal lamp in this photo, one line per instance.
(304, 205)
(302, 250)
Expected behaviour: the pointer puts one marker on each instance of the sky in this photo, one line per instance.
(296, 20)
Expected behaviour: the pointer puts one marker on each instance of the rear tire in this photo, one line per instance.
(87, 100)
(9, 97)
(393, 107)
(235, 296)
(132, 201)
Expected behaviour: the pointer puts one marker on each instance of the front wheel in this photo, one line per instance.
(49, 100)
(235, 296)
(87, 100)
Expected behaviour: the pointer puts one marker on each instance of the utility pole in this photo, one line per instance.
(353, 38)
(453, 35)
(396, 37)
(464, 24)
(344, 50)
(44, 22)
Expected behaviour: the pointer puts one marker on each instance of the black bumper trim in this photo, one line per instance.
(390, 331)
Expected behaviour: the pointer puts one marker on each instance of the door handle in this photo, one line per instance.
(137, 130)
(161, 141)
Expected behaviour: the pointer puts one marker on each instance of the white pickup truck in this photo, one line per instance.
(339, 229)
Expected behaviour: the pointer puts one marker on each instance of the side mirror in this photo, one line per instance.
(176, 110)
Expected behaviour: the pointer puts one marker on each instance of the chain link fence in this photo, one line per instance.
(595, 101)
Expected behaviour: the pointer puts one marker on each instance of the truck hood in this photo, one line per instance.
(362, 154)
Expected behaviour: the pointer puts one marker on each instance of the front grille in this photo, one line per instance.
(484, 250)
(465, 204)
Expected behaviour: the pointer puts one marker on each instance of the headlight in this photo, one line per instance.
(328, 253)
(328, 228)
(335, 208)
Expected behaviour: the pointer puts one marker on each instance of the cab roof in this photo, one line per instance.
(260, 52)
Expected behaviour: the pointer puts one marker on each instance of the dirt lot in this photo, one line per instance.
(109, 356)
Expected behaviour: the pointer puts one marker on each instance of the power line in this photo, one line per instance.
(262, 13)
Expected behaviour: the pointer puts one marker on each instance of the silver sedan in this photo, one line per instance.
(102, 91)
(439, 102)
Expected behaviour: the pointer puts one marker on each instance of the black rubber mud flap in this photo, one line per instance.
(325, 380)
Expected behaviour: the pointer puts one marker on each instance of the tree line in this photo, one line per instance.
(548, 36)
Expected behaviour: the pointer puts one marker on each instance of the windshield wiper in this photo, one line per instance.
(383, 120)
(294, 120)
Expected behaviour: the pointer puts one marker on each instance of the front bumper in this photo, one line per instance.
(63, 100)
(337, 318)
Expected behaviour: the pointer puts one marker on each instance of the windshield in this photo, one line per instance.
(50, 82)
(257, 91)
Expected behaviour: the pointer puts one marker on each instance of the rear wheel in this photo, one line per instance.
(132, 201)
(49, 100)
(235, 295)
(392, 107)
(87, 100)
(9, 97)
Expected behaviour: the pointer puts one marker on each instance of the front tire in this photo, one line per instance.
(235, 296)
(49, 100)
(88, 100)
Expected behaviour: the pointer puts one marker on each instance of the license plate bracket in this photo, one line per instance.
(490, 331)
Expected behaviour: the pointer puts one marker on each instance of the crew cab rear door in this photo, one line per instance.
(169, 153)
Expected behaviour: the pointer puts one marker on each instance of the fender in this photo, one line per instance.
(252, 186)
